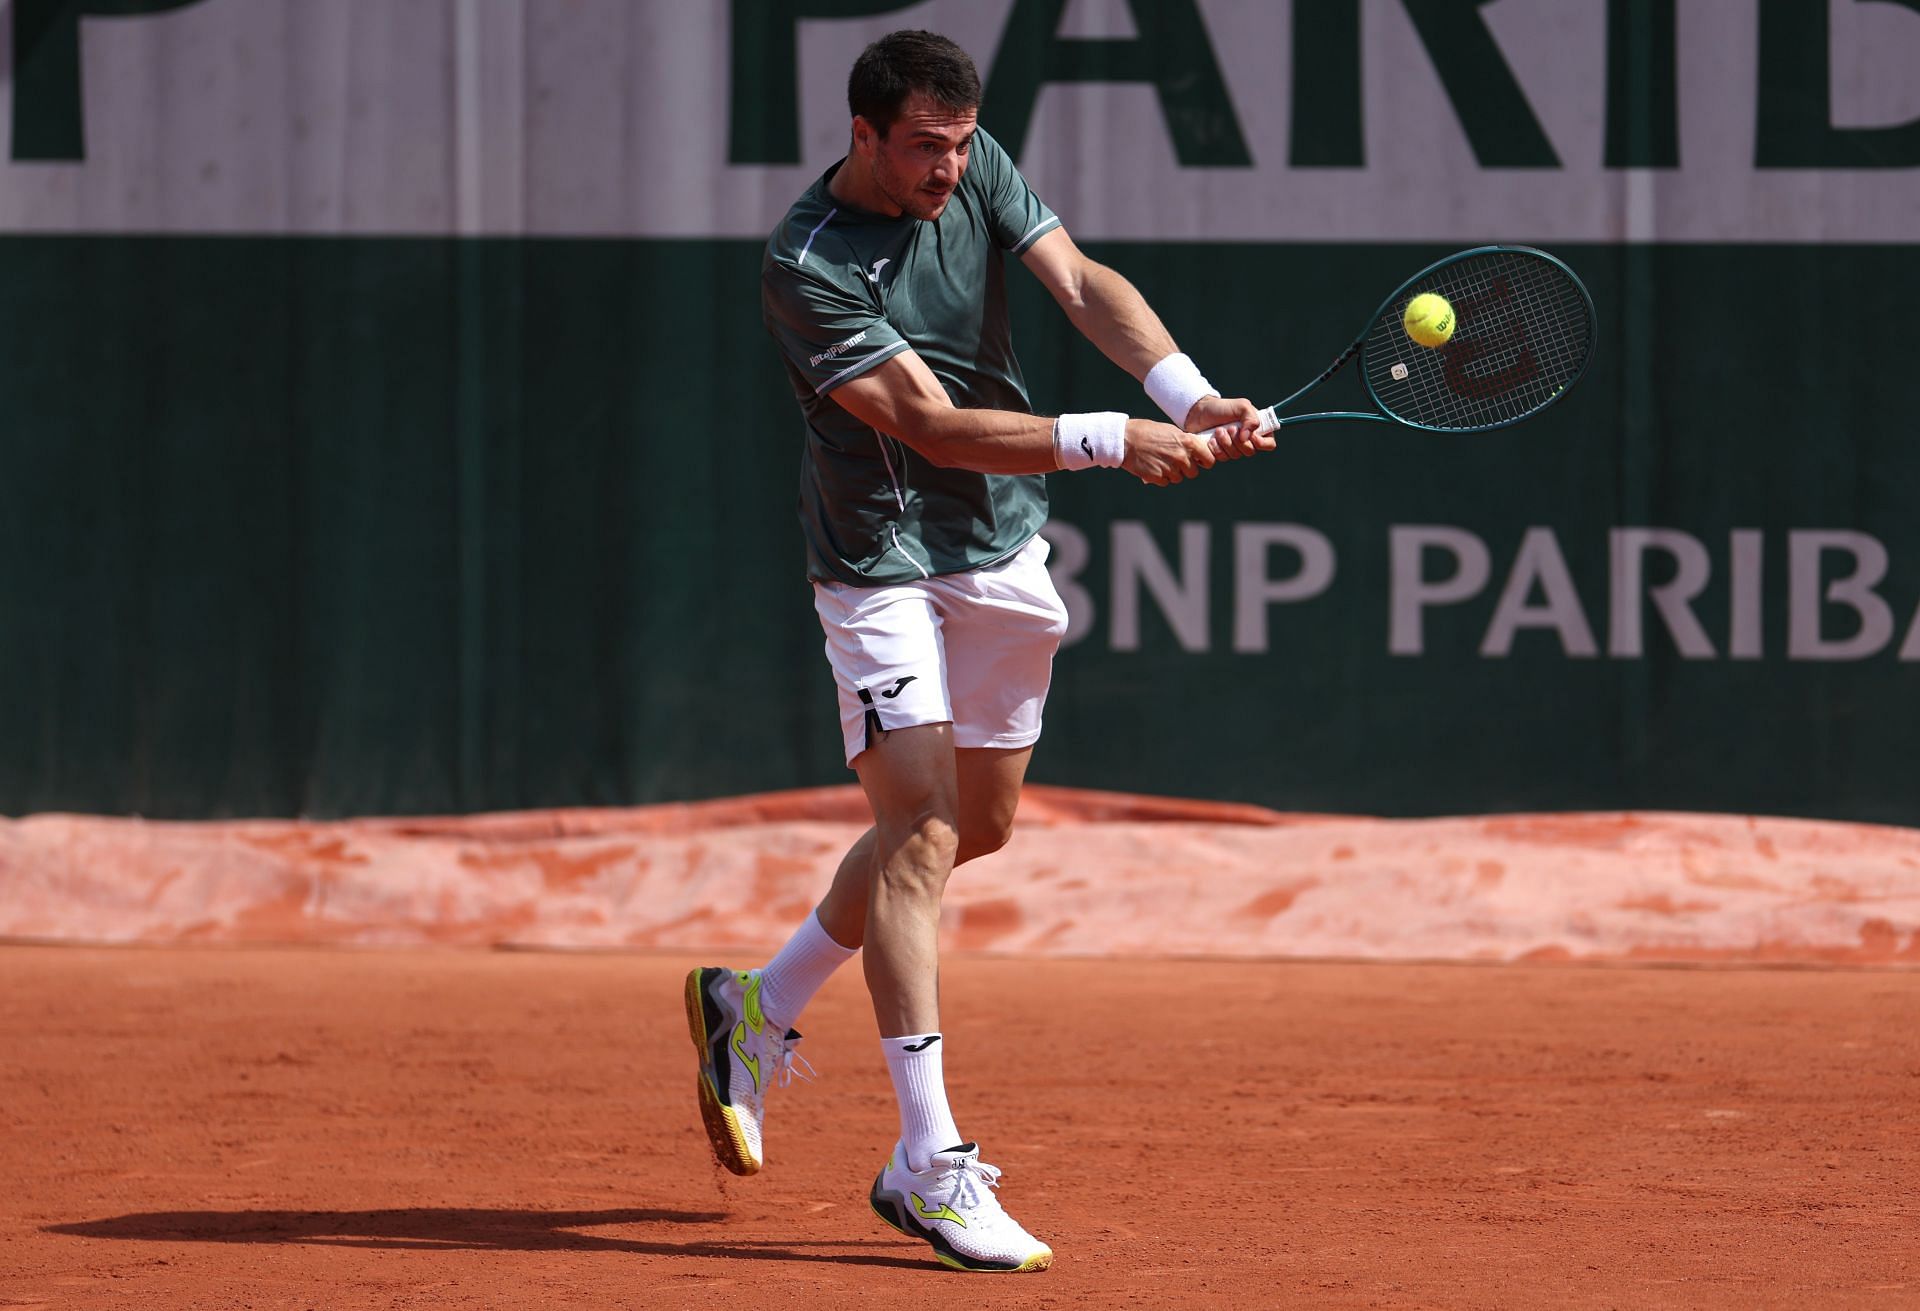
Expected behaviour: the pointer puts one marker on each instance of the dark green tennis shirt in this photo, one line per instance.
(842, 290)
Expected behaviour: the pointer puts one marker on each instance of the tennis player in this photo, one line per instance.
(921, 497)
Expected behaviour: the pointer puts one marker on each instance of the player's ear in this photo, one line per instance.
(864, 134)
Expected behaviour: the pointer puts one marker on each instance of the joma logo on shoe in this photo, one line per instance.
(752, 1063)
(941, 1212)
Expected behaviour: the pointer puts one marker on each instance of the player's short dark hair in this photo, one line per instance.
(901, 63)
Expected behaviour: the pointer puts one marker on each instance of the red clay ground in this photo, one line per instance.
(267, 1129)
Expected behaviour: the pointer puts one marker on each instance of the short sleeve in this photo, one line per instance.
(1017, 216)
(827, 334)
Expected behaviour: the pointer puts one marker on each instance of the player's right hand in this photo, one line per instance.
(1232, 423)
(1160, 455)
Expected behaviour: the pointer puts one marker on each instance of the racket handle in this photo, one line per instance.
(1269, 420)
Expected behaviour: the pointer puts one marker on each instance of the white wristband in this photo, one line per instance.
(1175, 383)
(1084, 441)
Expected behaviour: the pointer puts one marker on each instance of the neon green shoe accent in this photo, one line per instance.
(756, 1019)
(942, 1212)
(751, 1063)
(1038, 1261)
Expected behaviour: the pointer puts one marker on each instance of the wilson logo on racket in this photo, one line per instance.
(1462, 351)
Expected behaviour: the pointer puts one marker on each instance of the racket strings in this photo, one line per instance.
(1523, 332)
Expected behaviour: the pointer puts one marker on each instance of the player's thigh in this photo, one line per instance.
(911, 778)
(989, 780)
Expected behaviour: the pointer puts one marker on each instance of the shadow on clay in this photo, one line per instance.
(457, 1229)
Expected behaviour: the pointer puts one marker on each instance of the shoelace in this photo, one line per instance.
(967, 1176)
(781, 1052)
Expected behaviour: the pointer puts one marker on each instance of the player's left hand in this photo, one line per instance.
(1235, 426)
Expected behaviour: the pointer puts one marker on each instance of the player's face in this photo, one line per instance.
(923, 155)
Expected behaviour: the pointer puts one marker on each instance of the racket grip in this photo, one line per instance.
(1269, 420)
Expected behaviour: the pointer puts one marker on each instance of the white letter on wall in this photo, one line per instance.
(1629, 547)
(1254, 591)
(1804, 595)
(1137, 560)
(1540, 562)
(1408, 590)
(1743, 617)
(1068, 557)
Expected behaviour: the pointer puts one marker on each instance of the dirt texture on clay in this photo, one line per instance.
(242, 1128)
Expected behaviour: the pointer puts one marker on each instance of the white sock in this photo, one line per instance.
(789, 980)
(926, 1123)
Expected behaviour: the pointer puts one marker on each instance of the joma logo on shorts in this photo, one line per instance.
(832, 351)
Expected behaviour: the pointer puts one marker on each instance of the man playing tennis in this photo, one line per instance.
(921, 499)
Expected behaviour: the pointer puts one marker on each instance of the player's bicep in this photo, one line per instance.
(1060, 266)
(898, 396)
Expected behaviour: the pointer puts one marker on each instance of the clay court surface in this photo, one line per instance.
(226, 1128)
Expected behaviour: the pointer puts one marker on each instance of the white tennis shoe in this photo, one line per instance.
(743, 1054)
(951, 1205)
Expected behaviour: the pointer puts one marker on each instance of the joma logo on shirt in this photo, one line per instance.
(832, 351)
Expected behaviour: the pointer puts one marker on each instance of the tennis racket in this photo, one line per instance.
(1523, 335)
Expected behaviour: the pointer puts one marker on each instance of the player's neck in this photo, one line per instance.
(852, 184)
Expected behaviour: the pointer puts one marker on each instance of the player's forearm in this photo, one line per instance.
(1112, 314)
(997, 441)
(902, 398)
(985, 441)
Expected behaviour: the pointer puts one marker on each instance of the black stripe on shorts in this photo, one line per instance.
(875, 729)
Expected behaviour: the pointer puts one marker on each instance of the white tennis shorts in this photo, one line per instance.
(972, 649)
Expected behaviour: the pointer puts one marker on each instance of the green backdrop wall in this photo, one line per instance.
(336, 526)
(386, 424)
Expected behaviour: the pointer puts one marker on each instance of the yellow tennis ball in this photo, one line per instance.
(1429, 319)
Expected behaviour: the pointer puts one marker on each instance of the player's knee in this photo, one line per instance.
(937, 834)
(924, 851)
(983, 840)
